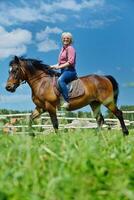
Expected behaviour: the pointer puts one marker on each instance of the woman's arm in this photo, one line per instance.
(60, 66)
(71, 56)
(54, 66)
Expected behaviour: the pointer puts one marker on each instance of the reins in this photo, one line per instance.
(38, 77)
(34, 79)
(23, 76)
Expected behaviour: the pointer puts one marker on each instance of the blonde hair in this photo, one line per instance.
(67, 34)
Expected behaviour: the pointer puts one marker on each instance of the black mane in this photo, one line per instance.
(34, 65)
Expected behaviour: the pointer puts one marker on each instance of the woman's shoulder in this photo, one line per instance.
(70, 47)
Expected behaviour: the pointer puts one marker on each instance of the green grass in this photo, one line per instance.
(76, 165)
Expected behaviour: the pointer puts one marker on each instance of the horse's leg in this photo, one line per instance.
(54, 121)
(95, 105)
(53, 116)
(118, 113)
(36, 113)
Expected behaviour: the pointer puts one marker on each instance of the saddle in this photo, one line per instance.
(75, 88)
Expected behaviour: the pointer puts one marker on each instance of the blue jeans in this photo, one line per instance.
(66, 77)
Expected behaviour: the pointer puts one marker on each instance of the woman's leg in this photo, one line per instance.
(64, 79)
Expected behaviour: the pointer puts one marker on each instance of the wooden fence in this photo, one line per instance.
(18, 123)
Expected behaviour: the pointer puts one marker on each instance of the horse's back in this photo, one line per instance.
(95, 80)
(97, 86)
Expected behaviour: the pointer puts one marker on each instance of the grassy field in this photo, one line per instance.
(75, 165)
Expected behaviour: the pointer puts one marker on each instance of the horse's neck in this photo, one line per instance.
(37, 78)
(31, 77)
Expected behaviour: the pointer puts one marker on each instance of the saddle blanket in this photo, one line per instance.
(75, 88)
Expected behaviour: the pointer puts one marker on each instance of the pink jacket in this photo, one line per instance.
(67, 54)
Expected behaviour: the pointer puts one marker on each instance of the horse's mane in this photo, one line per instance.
(34, 65)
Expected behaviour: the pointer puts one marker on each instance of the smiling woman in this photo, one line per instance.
(66, 62)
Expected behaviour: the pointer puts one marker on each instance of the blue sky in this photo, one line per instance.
(103, 33)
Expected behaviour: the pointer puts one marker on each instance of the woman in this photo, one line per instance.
(66, 62)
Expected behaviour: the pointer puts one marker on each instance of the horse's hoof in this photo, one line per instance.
(32, 134)
(126, 132)
(56, 131)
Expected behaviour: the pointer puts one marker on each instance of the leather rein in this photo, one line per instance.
(31, 79)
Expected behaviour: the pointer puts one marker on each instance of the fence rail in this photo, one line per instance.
(14, 122)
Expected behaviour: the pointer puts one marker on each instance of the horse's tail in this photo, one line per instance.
(115, 87)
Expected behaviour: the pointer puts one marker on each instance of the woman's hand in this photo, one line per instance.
(54, 67)
(60, 66)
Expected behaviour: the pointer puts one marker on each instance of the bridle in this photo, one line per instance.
(21, 74)
(21, 82)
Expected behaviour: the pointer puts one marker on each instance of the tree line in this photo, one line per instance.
(108, 114)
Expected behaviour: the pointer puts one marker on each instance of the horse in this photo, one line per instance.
(99, 90)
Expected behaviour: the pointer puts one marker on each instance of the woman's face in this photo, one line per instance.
(66, 40)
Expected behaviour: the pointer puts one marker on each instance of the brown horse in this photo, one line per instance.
(40, 77)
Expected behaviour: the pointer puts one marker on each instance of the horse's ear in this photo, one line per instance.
(16, 59)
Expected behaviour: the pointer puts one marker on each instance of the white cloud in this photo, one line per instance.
(14, 42)
(25, 13)
(6, 52)
(59, 11)
(46, 32)
(45, 43)
(92, 24)
(97, 23)
(72, 5)
(42, 11)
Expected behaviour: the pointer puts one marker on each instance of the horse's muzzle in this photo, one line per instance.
(11, 88)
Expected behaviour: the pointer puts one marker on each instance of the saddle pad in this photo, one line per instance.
(76, 89)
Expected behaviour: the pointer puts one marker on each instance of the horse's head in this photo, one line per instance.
(15, 75)
(26, 69)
